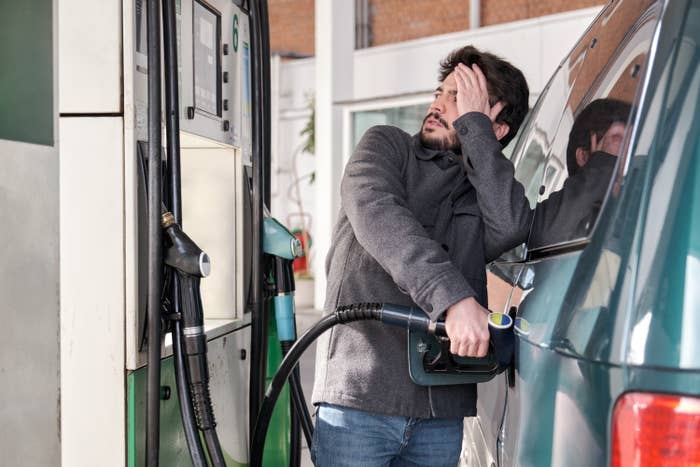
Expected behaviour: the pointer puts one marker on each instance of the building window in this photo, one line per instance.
(408, 118)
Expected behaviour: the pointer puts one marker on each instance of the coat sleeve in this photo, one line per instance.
(374, 198)
(502, 201)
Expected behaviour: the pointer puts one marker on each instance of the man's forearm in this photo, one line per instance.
(502, 201)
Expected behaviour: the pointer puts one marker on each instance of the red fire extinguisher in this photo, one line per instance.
(301, 265)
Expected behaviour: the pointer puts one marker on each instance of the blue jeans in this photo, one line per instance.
(350, 437)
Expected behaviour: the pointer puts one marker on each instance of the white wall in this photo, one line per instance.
(296, 92)
(395, 71)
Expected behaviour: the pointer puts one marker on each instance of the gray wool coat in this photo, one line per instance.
(413, 230)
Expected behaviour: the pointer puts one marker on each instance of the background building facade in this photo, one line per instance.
(381, 22)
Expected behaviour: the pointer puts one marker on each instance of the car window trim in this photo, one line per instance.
(559, 248)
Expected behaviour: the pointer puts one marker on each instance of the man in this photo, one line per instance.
(410, 232)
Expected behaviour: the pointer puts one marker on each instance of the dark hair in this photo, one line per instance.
(505, 83)
(597, 117)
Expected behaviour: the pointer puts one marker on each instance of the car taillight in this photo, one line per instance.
(655, 430)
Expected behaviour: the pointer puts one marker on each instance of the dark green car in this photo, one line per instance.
(607, 363)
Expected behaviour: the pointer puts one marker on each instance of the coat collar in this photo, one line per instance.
(427, 154)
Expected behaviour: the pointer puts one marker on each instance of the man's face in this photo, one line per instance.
(610, 142)
(437, 131)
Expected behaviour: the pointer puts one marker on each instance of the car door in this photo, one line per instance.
(529, 157)
(539, 412)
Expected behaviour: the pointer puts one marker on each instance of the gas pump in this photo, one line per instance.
(224, 104)
(281, 247)
(133, 308)
(215, 128)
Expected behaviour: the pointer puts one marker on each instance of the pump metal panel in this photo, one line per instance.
(29, 250)
(29, 349)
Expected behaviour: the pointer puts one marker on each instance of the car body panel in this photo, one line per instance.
(618, 310)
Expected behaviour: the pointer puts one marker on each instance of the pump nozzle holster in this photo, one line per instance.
(184, 254)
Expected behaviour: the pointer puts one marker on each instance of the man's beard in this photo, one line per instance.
(439, 143)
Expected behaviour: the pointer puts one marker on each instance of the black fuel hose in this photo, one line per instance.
(294, 437)
(195, 351)
(191, 264)
(273, 391)
(301, 413)
(294, 414)
(258, 325)
(266, 120)
(172, 126)
(299, 402)
(286, 328)
(155, 257)
(186, 410)
(389, 314)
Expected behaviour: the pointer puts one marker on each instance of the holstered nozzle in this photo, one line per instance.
(183, 254)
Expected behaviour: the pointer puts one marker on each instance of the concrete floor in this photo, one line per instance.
(307, 317)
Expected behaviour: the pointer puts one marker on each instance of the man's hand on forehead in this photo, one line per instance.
(472, 92)
(611, 141)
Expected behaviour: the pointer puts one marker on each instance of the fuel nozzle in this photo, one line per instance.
(183, 254)
(415, 320)
(278, 241)
(191, 264)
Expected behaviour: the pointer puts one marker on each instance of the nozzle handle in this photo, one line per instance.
(183, 253)
(500, 327)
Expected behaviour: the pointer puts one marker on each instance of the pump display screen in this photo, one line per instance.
(207, 62)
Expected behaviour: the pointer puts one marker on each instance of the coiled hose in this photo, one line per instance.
(389, 314)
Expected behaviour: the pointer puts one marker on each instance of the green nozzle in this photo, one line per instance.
(278, 241)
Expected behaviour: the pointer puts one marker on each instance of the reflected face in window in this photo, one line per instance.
(437, 131)
(610, 142)
(600, 126)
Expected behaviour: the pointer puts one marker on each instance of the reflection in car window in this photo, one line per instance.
(586, 165)
(570, 183)
(531, 152)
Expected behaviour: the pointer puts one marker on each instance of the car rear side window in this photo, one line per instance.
(579, 128)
